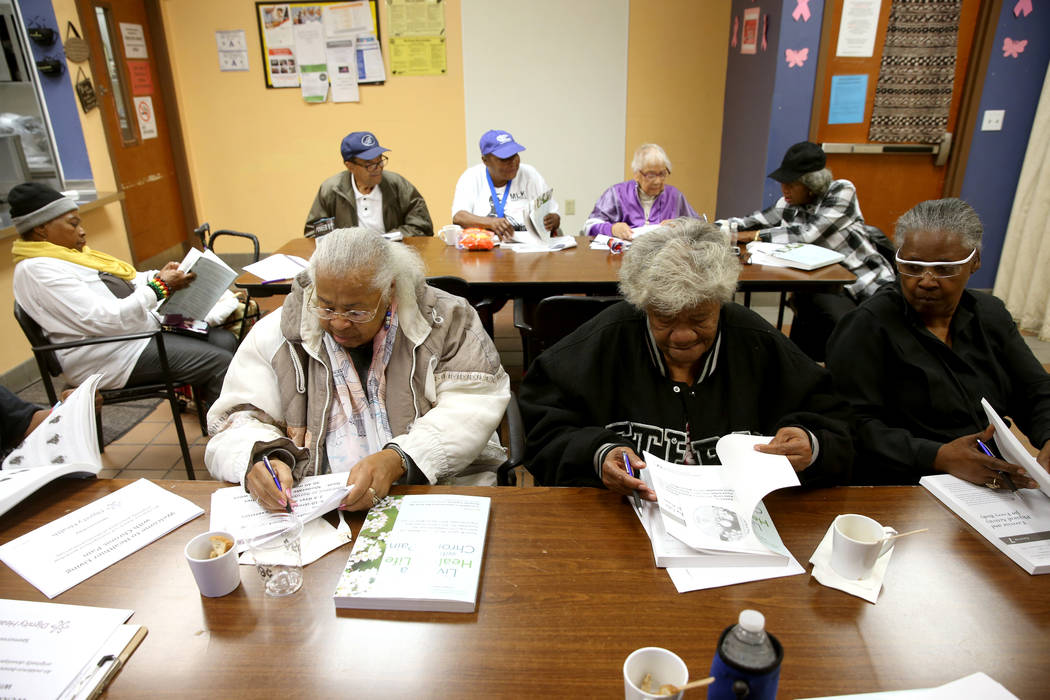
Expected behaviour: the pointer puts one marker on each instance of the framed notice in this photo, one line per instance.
(297, 34)
(749, 33)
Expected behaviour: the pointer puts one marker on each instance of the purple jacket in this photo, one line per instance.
(620, 203)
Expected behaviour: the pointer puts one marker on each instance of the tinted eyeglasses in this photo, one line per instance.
(939, 270)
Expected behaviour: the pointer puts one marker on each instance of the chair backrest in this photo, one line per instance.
(36, 337)
(556, 317)
(882, 244)
(450, 284)
(234, 260)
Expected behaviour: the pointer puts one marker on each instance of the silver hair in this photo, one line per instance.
(360, 252)
(646, 153)
(952, 215)
(817, 181)
(679, 266)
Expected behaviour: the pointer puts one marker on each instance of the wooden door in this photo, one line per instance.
(124, 66)
(888, 184)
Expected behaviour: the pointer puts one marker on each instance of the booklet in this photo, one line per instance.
(1016, 522)
(711, 508)
(1013, 451)
(277, 267)
(57, 556)
(53, 651)
(802, 256)
(65, 444)
(418, 552)
(213, 278)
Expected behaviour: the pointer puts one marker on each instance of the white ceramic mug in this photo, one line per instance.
(215, 577)
(450, 234)
(857, 543)
(663, 666)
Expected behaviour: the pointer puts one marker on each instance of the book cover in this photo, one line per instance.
(805, 256)
(418, 552)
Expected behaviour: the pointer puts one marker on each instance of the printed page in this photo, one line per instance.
(75, 547)
(213, 278)
(45, 647)
(1013, 451)
(67, 436)
(277, 267)
(542, 206)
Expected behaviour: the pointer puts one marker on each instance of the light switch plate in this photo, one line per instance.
(993, 120)
(570, 206)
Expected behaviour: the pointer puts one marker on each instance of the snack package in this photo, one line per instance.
(477, 239)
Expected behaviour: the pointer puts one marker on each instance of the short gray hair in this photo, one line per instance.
(648, 152)
(360, 251)
(952, 215)
(817, 181)
(679, 266)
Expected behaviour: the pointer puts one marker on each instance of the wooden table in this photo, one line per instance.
(537, 275)
(567, 591)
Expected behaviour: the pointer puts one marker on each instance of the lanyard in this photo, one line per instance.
(497, 203)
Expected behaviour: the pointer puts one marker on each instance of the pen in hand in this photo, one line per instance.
(630, 473)
(1005, 476)
(269, 468)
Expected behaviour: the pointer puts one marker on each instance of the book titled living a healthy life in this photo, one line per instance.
(417, 552)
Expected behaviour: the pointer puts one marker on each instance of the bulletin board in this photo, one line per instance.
(297, 34)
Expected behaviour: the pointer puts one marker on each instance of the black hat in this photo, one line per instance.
(802, 158)
(34, 204)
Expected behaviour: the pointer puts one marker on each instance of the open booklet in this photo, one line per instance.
(802, 256)
(1013, 451)
(536, 238)
(213, 279)
(65, 444)
(712, 510)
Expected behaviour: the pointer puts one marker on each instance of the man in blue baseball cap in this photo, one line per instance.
(367, 195)
(497, 194)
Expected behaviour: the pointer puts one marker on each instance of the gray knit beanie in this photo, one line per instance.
(33, 204)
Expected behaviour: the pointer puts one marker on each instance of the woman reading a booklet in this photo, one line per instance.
(673, 368)
(74, 292)
(820, 210)
(365, 369)
(916, 360)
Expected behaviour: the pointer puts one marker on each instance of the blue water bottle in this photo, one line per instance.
(747, 661)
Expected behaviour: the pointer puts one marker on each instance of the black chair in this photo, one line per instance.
(485, 306)
(47, 362)
(515, 444)
(883, 244)
(552, 319)
(236, 261)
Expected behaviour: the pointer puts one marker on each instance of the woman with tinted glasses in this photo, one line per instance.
(365, 370)
(916, 359)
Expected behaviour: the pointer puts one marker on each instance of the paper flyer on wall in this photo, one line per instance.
(342, 69)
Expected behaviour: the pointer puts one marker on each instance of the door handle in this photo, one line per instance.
(102, 89)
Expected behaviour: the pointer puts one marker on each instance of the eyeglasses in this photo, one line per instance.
(372, 165)
(353, 316)
(939, 270)
(655, 176)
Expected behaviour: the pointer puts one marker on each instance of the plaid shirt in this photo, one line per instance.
(834, 222)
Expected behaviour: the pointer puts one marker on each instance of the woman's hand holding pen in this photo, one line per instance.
(263, 488)
(616, 478)
(963, 458)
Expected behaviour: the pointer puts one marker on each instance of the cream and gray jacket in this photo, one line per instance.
(446, 392)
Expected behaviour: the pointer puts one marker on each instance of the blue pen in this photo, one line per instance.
(269, 468)
(630, 472)
(1006, 477)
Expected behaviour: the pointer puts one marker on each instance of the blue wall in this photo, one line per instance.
(996, 157)
(62, 104)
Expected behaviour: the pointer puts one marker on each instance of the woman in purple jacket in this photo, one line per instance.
(646, 200)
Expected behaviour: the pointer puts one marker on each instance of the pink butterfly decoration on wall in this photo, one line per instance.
(1023, 6)
(796, 58)
(1012, 48)
(801, 10)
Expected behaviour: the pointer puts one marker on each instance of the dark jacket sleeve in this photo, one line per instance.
(857, 360)
(405, 210)
(16, 415)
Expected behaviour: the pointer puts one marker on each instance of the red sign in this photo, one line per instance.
(141, 79)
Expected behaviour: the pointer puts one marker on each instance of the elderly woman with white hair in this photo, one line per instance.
(646, 199)
(916, 359)
(367, 370)
(670, 370)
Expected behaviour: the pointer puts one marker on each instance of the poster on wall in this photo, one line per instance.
(417, 37)
(749, 35)
(857, 30)
(146, 116)
(297, 35)
(134, 40)
(849, 97)
(140, 78)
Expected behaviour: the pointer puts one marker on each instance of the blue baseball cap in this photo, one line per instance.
(500, 144)
(362, 145)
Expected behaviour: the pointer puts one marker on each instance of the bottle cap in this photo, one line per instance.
(752, 620)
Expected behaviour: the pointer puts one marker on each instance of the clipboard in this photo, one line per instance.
(107, 662)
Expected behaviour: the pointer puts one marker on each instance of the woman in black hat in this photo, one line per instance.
(74, 292)
(820, 210)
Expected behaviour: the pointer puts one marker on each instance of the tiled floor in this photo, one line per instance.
(151, 448)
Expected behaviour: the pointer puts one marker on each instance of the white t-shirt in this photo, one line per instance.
(474, 197)
(369, 208)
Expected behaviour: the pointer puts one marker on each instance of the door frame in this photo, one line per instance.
(166, 81)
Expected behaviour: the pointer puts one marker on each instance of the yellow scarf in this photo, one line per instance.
(23, 250)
